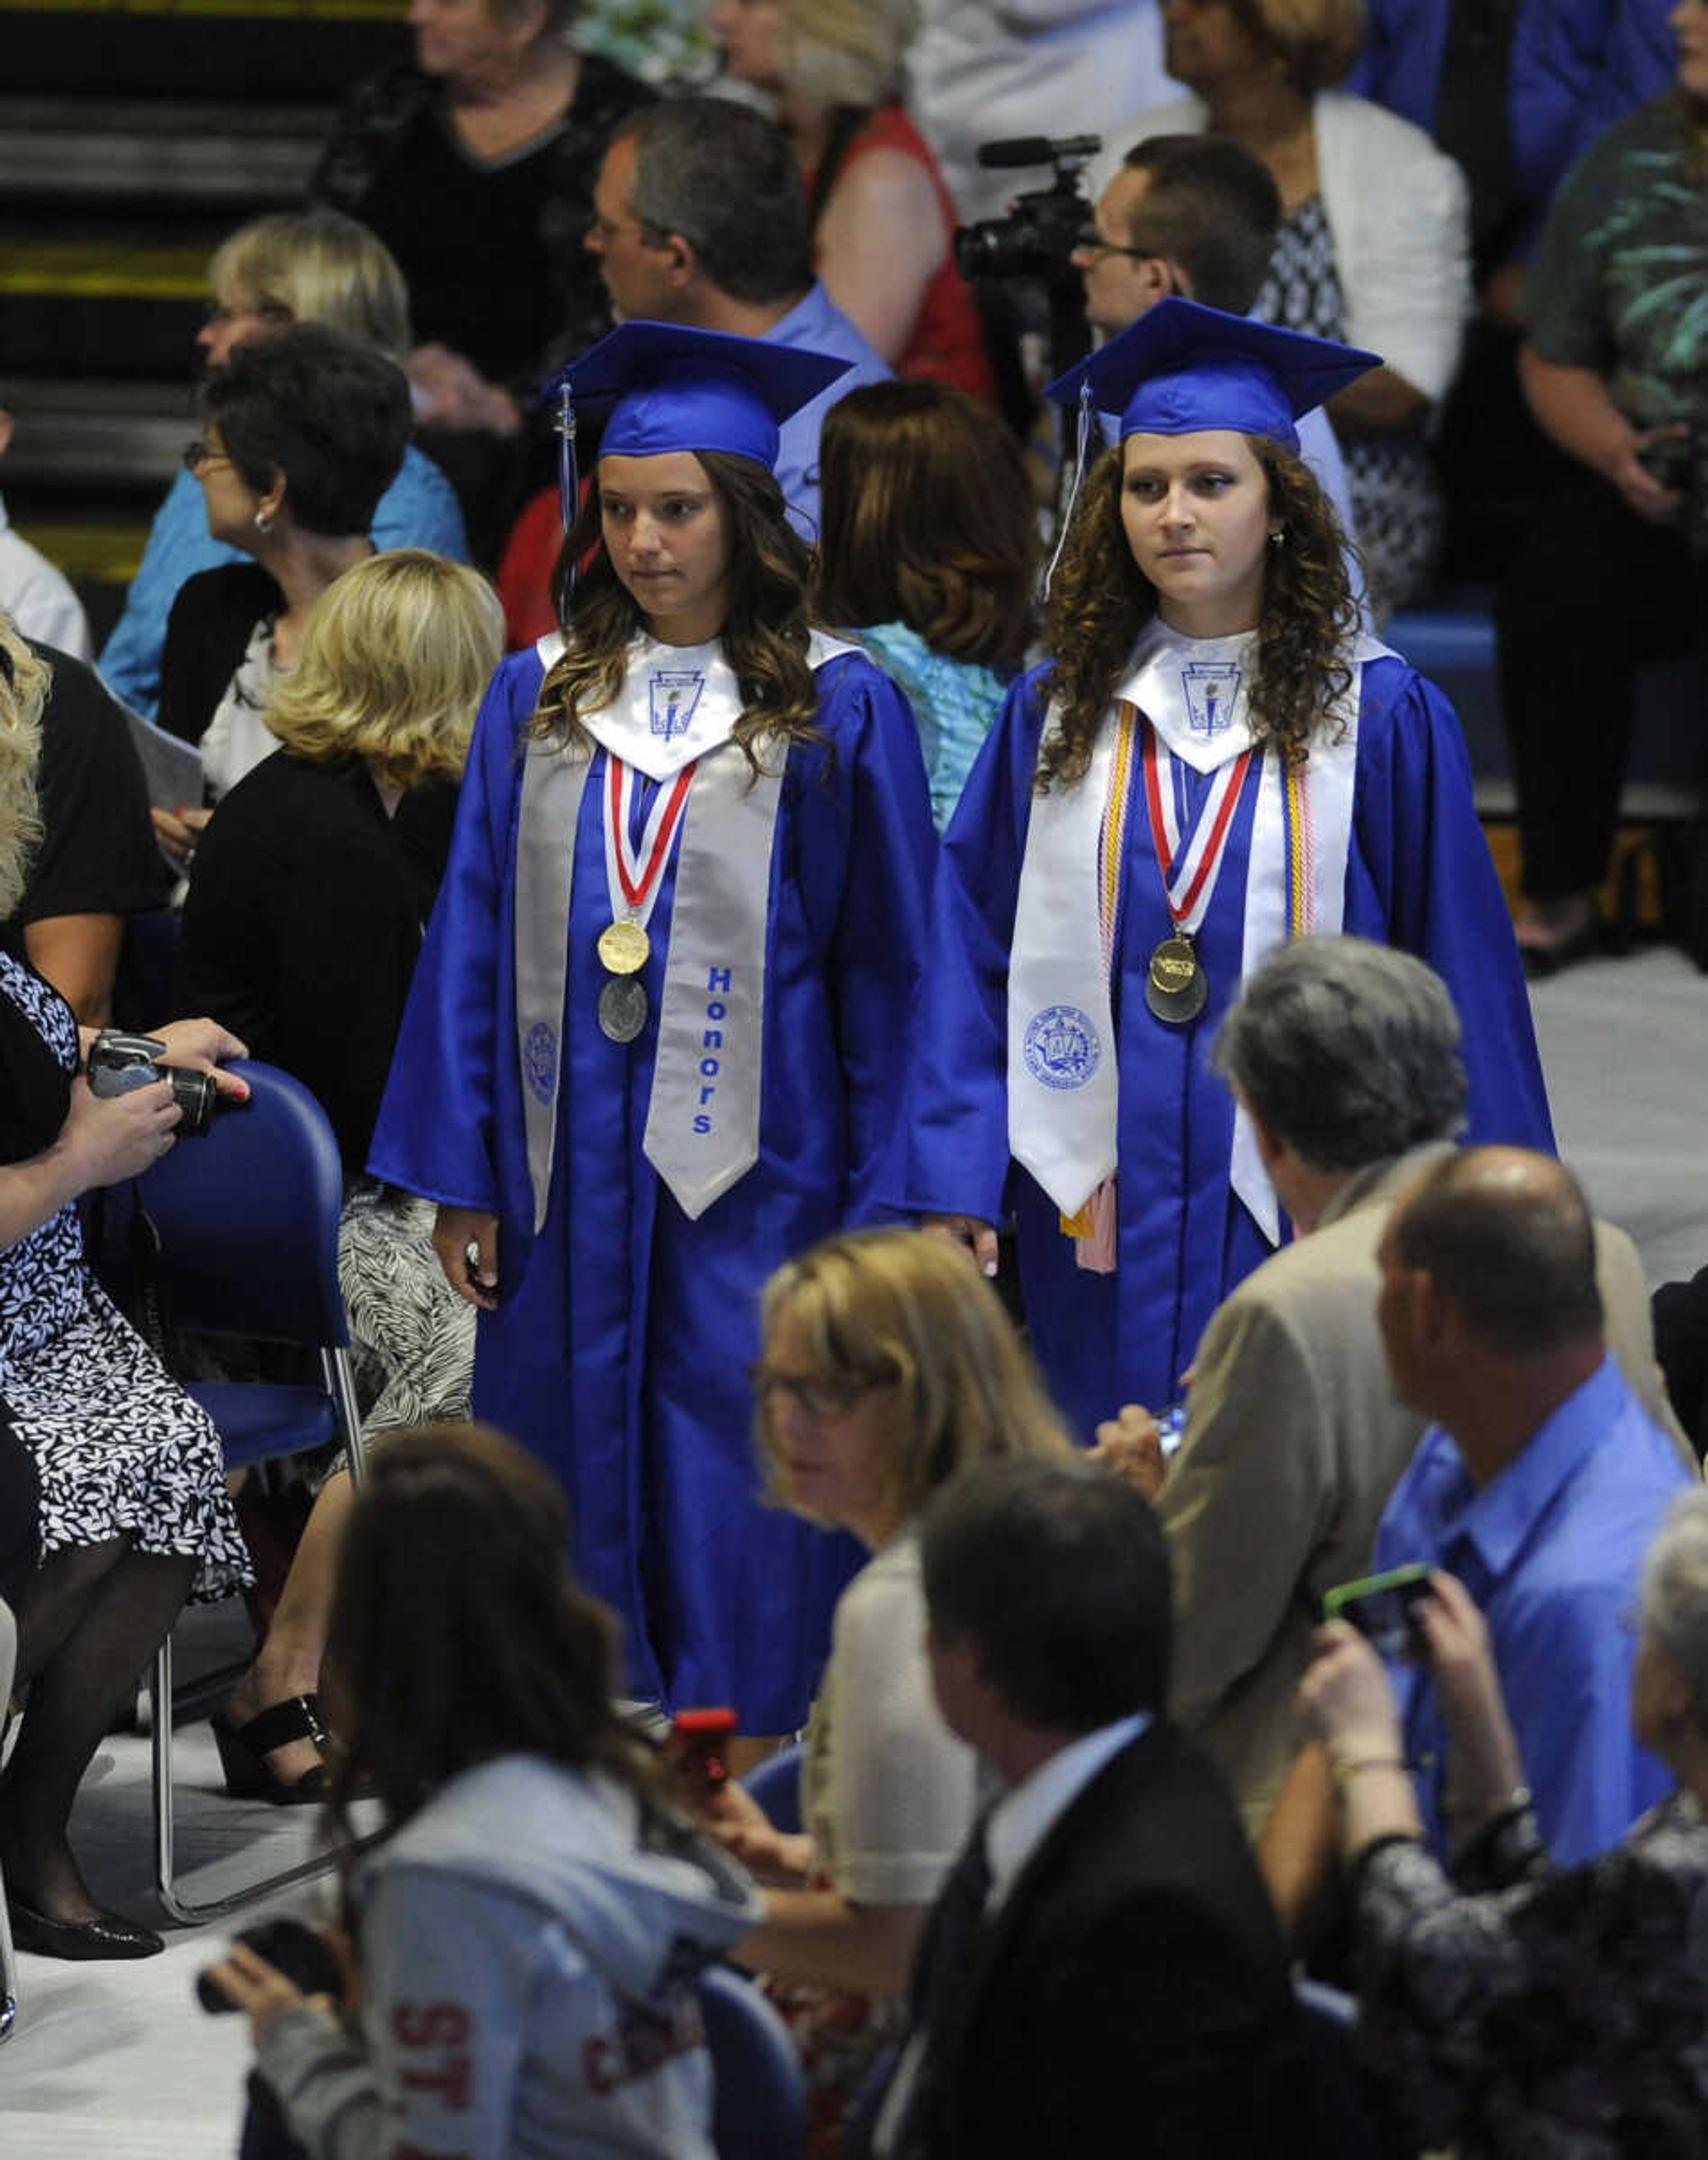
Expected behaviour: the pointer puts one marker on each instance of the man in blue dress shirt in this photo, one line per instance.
(699, 218)
(1540, 1486)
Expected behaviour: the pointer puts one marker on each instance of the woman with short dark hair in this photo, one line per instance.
(303, 433)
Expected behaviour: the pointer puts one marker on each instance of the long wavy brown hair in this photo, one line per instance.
(456, 1634)
(764, 635)
(1100, 600)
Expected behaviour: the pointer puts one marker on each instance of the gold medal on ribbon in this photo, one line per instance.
(1176, 988)
(624, 946)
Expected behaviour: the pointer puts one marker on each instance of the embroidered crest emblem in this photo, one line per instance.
(1210, 688)
(675, 692)
(1062, 1048)
(540, 1060)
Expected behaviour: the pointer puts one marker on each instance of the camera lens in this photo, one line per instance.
(194, 1094)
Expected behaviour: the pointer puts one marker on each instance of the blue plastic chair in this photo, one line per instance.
(247, 1222)
(775, 1784)
(761, 2106)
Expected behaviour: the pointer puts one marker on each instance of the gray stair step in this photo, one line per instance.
(70, 149)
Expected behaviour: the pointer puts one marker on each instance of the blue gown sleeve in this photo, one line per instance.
(1436, 894)
(436, 1131)
(876, 908)
(953, 1155)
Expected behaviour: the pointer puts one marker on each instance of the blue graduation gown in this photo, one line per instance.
(1419, 876)
(619, 1351)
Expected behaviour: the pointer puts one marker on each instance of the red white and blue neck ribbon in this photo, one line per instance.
(1189, 869)
(634, 869)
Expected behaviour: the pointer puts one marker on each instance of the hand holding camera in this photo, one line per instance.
(274, 1967)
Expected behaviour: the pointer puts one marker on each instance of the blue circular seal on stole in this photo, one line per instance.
(539, 1061)
(1062, 1048)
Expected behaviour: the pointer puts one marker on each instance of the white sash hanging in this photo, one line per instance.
(1063, 1085)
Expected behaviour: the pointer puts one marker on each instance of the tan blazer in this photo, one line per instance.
(1294, 1439)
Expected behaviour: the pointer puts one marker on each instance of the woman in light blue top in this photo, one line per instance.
(927, 554)
(293, 266)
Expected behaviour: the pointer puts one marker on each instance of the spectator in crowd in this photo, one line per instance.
(291, 266)
(530, 1925)
(1373, 245)
(883, 221)
(303, 434)
(35, 592)
(699, 220)
(133, 1512)
(96, 862)
(1102, 1965)
(1194, 217)
(983, 70)
(887, 1365)
(928, 552)
(1201, 552)
(475, 164)
(1517, 2008)
(1610, 572)
(1538, 1485)
(692, 798)
(1345, 1058)
(696, 222)
(301, 931)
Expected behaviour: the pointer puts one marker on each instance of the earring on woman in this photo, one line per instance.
(263, 523)
(1278, 535)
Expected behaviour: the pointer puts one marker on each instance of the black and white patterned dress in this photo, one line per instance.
(120, 1451)
(1396, 497)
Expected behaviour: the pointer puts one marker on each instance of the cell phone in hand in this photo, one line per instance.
(697, 1749)
(1380, 1607)
(291, 1948)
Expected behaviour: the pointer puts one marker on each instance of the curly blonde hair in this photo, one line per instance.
(764, 635)
(905, 1308)
(24, 681)
(1100, 600)
(396, 657)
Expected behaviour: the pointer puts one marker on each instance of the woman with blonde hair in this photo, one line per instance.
(887, 1365)
(313, 884)
(313, 266)
(883, 222)
(134, 1516)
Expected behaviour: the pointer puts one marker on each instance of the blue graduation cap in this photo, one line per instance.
(667, 388)
(1182, 368)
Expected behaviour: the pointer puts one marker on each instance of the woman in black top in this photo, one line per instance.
(133, 1514)
(304, 432)
(312, 886)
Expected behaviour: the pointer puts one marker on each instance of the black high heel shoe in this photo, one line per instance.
(244, 1750)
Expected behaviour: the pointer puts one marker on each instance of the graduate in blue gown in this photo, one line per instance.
(1209, 706)
(655, 1044)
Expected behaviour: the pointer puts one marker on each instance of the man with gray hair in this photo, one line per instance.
(699, 218)
(1345, 1056)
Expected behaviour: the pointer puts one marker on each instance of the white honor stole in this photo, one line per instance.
(1063, 1083)
(677, 707)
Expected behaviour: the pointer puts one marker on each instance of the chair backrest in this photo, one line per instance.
(247, 1218)
(761, 2107)
(775, 1784)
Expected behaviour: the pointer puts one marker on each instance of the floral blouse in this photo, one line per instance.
(1550, 2013)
